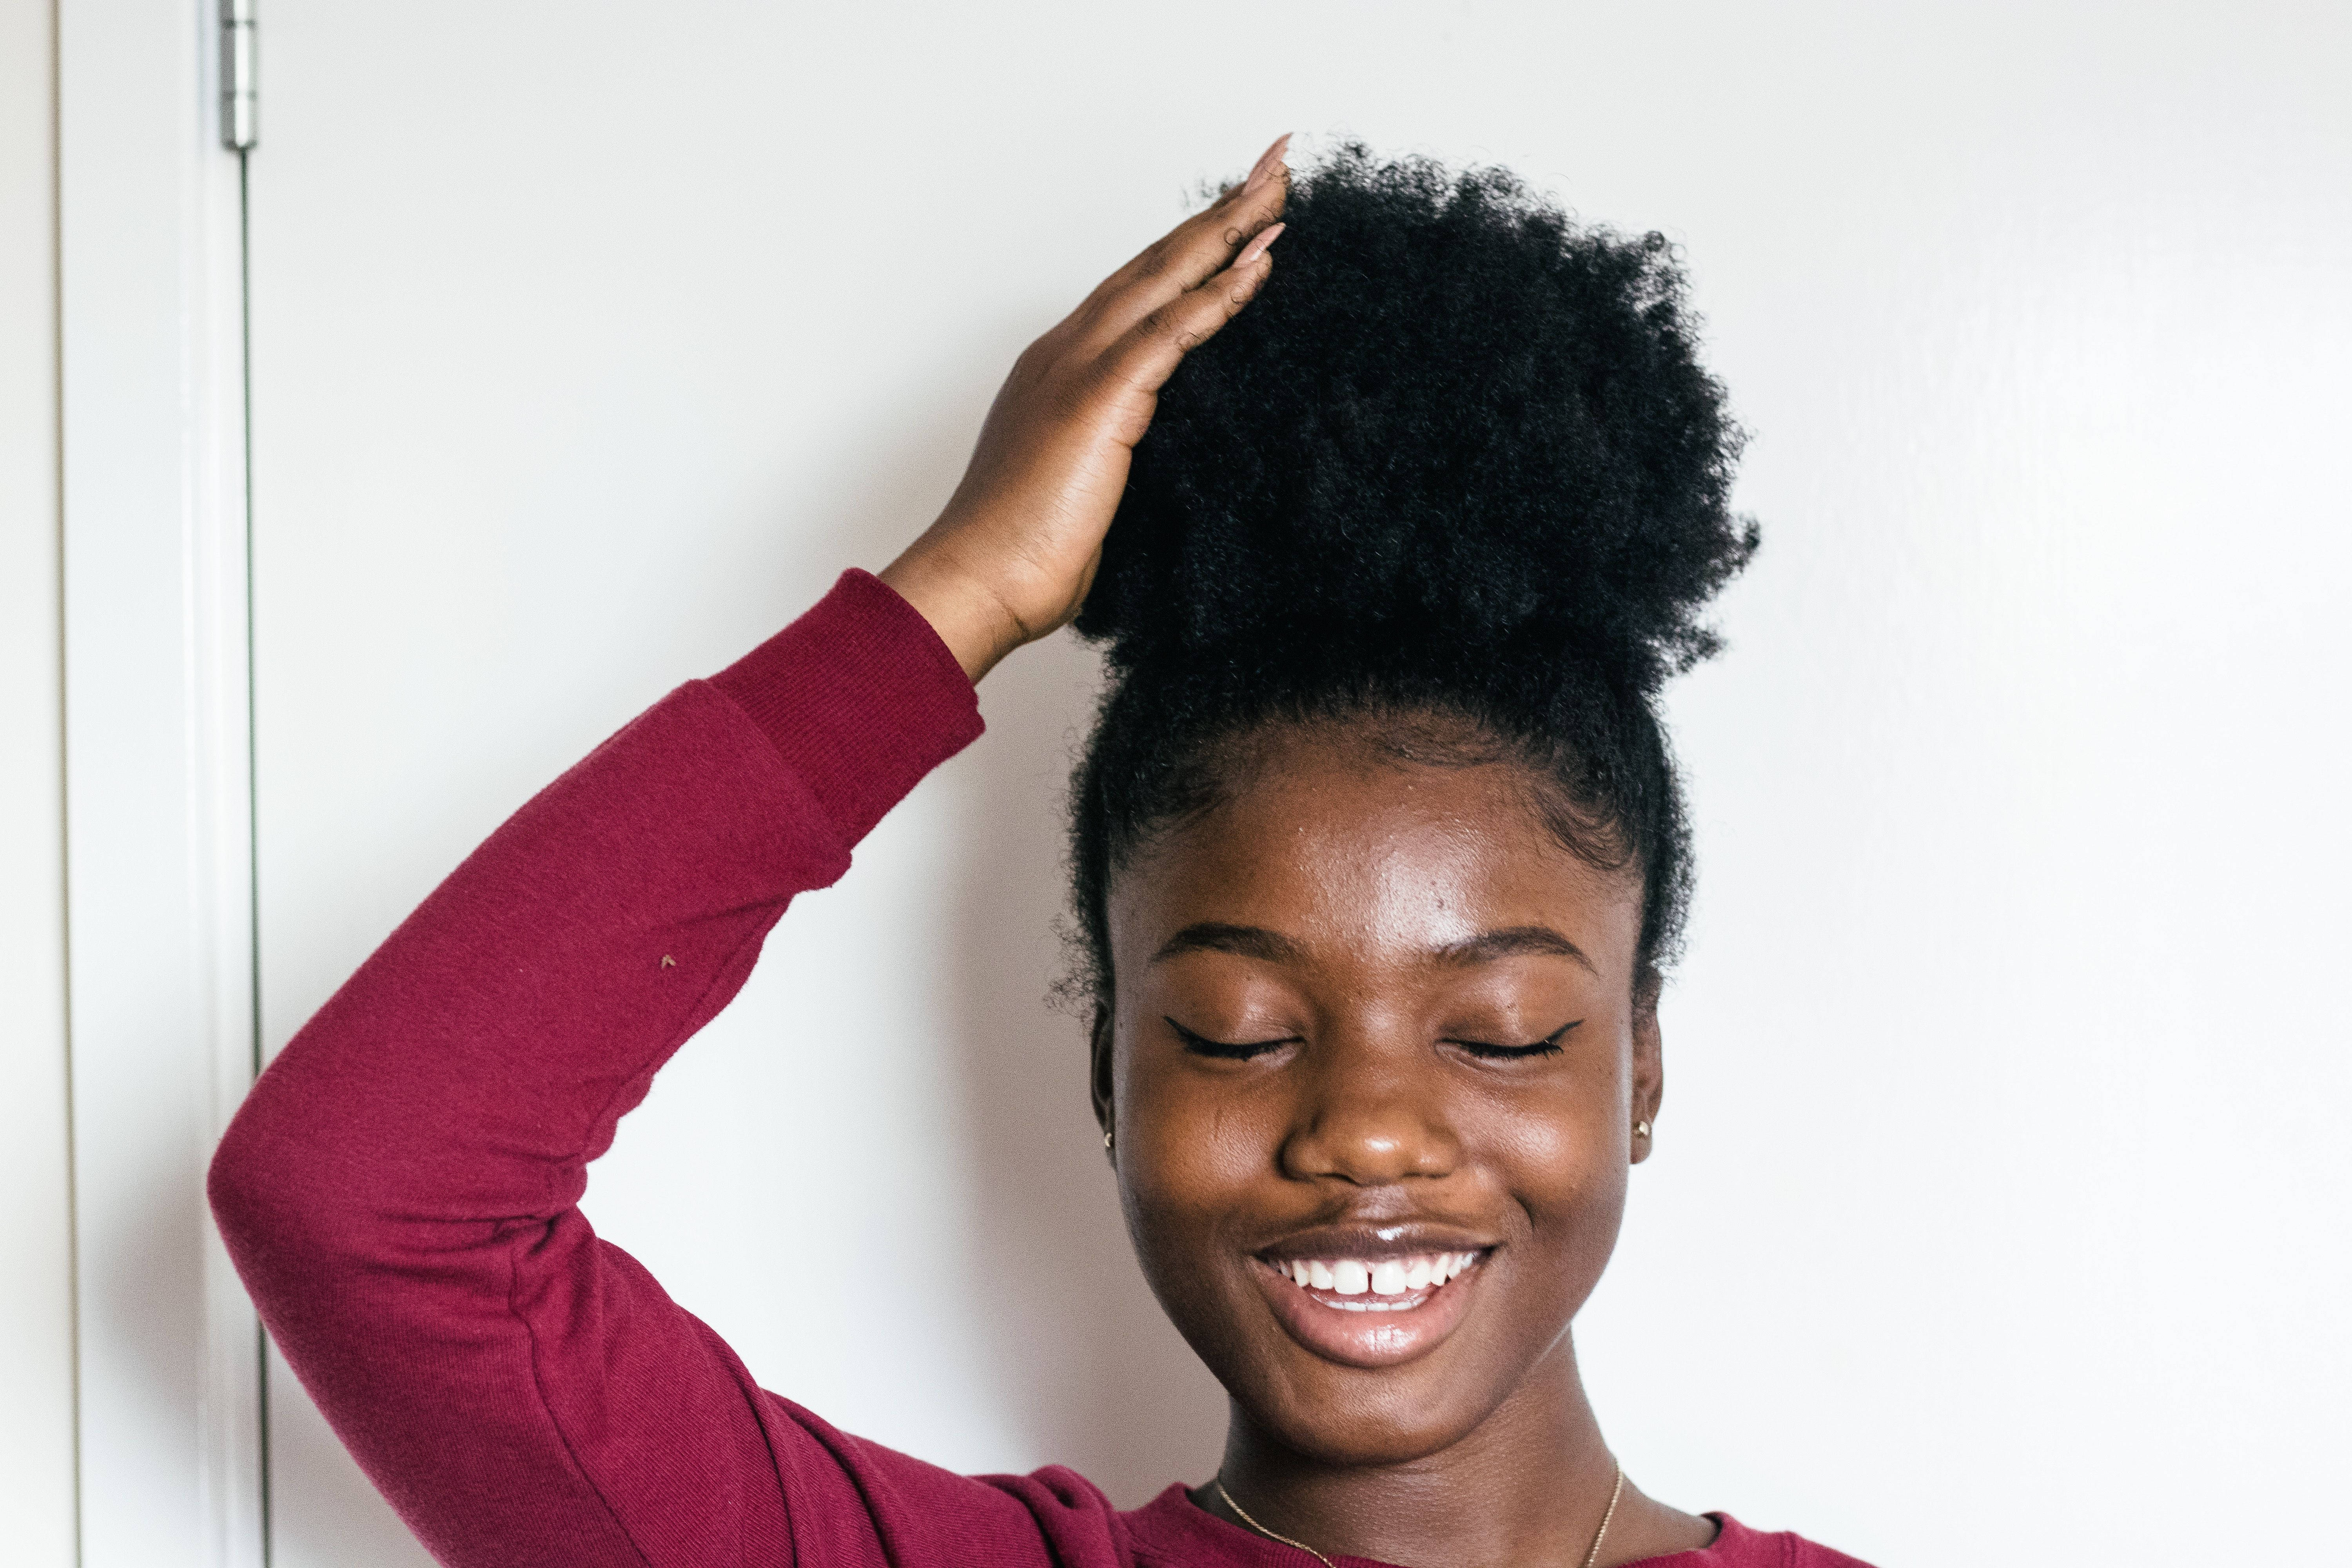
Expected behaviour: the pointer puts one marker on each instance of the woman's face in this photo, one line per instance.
(1375, 1024)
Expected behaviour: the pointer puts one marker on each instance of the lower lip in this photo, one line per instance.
(1368, 1339)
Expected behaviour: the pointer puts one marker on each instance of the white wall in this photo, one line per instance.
(2008, 1072)
(36, 1414)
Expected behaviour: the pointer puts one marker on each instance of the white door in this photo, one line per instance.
(590, 342)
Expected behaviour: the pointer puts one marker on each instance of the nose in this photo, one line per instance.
(1370, 1117)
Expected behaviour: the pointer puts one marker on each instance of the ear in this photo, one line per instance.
(1098, 1065)
(1649, 1060)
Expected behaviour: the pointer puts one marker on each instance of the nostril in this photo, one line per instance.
(1370, 1159)
(1368, 1115)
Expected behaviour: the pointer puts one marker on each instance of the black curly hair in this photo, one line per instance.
(1458, 473)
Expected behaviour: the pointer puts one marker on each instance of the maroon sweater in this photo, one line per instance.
(400, 1191)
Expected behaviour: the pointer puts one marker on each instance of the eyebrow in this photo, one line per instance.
(1513, 942)
(1214, 936)
(1256, 942)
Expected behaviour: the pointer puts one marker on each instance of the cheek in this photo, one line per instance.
(1193, 1168)
(1567, 1175)
(1563, 1158)
(1189, 1150)
(1556, 1138)
(1555, 1146)
(1182, 1167)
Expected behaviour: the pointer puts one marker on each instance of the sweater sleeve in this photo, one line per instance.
(400, 1190)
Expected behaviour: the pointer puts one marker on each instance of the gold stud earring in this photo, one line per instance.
(1642, 1128)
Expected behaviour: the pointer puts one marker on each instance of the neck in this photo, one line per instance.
(1528, 1485)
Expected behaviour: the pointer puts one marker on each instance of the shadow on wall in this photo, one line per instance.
(1098, 1378)
(1089, 1369)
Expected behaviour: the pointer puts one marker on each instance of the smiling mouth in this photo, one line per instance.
(1374, 1284)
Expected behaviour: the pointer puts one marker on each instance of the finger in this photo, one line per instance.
(1187, 258)
(1254, 198)
(1194, 251)
(1198, 248)
(1144, 359)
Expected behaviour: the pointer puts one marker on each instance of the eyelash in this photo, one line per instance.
(1226, 1050)
(1243, 1050)
(1547, 1046)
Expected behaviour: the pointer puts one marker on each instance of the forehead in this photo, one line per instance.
(1358, 851)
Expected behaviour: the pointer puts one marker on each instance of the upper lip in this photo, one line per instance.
(1407, 1238)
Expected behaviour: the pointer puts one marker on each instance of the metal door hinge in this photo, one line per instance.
(240, 97)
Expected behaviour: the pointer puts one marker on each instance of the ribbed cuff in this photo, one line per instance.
(860, 696)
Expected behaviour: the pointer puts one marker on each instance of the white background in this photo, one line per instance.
(36, 1317)
(2001, 1207)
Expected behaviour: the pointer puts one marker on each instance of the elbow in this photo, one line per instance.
(236, 1184)
(264, 1189)
(243, 1187)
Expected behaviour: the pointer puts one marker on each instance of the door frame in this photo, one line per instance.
(159, 781)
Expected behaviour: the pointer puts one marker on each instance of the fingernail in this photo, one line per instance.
(1257, 247)
(1267, 162)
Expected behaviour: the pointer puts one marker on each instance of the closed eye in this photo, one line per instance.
(1547, 1046)
(1229, 1050)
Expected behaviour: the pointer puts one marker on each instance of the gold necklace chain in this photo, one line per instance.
(1607, 1514)
(1591, 1557)
(1270, 1535)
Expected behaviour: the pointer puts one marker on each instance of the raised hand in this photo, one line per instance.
(1011, 556)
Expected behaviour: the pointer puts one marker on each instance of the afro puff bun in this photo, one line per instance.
(1458, 457)
(1452, 415)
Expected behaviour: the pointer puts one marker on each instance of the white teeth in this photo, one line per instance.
(1378, 1276)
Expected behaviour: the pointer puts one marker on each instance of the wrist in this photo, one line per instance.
(970, 618)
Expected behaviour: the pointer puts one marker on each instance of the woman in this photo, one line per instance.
(1378, 854)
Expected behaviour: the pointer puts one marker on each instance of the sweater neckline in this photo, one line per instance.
(1173, 1526)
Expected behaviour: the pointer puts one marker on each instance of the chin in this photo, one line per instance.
(1389, 1422)
(1337, 1414)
